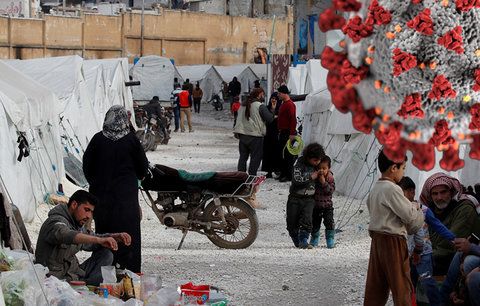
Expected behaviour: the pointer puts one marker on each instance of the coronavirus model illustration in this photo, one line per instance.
(409, 72)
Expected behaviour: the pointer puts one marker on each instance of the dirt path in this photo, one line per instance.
(271, 271)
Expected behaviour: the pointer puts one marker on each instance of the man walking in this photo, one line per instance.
(185, 101)
(197, 97)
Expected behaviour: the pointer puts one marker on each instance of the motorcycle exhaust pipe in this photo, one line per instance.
(173, 219)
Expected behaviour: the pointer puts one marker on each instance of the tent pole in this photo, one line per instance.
(269, 76)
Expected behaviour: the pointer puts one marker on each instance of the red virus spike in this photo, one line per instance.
(466, 5)
(476, 86)
(343, 99)
(329, 20)
(475, 147)
(442, 135)
(453, 40)
(412, 107)
(416, 1)
(475, 121)
(451, 160)
(422, 23)
(352, 74)
(362, 119)
(402, 61)
(356, 29)
(332, 60)
(347, 5)
(423, 155)
(389, 137)
(441, 88)
(335, 82)
(379, 14)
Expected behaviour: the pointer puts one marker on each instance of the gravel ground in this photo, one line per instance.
(271, 271)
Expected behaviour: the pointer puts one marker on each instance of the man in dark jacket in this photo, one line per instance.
(63, 235)
(234, 89)
(443, 195)
(153, 108)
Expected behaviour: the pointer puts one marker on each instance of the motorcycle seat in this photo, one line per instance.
(195, 177)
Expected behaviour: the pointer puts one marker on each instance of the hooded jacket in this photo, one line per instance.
(302, 183)
(55, 247)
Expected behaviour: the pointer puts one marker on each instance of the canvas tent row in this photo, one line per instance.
(245, 75)
(208, 77)
(30, 109)
(155, 74)
(307, 78)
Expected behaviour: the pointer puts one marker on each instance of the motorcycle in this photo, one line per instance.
(213, 204)
(217, 102)
(154, 130)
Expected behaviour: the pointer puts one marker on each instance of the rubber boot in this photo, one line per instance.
(330, 235)
(294, 236)
(303, 240)
(314, 238)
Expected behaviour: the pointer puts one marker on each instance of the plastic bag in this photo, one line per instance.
(24, 287)
(109, 274)
(164, 297)
(60, 292)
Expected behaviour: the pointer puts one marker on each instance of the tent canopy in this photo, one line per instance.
(245, 75)
(155, 74)
(29, 107)
(208, 77)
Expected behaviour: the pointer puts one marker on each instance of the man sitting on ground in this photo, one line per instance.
(443, 195)
(63, 235)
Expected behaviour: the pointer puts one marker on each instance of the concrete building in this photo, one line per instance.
(308, 39)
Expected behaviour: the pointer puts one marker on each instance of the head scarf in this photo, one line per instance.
(441, 179)
(116, 123)
(279, 103)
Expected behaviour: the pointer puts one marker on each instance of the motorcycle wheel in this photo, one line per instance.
(242, 224)
(146, 139)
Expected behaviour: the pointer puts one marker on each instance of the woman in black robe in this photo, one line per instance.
(271, 155)
(113, 163)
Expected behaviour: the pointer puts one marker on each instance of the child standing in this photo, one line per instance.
(420, 246)
(301, 198)
(392, 216)
(324, 188)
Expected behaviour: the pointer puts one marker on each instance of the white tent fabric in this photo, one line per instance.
(297, 79)
(245, 75)
(209, 78)
(316, 76)
(77, 119)
(106, 80)
(27, 106)
(178, 76)
(155, 74)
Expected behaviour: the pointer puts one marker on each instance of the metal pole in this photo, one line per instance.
(269, 74)
(142, 28)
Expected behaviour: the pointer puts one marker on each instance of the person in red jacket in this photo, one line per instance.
(287, 127)
(185, 100)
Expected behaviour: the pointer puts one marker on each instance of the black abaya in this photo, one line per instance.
(112, 169)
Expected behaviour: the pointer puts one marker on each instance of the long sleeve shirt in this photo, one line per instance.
(391, 212)
(324, 192)
(287, 117)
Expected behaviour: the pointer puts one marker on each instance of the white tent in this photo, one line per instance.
(106, 81)
(245, 75)
(28, 107)
(297, 79)
(209, 78)
(77, 119)
(155, 74)
(178, 76)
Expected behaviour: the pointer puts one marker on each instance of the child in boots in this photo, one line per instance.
(392, 218)
(301, 198)
(324, 188)
(420, 246)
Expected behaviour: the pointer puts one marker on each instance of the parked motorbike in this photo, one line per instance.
(154, 130)
(212, 204)
(217, 102)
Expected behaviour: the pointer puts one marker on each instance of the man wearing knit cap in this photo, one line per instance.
(443, 195)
